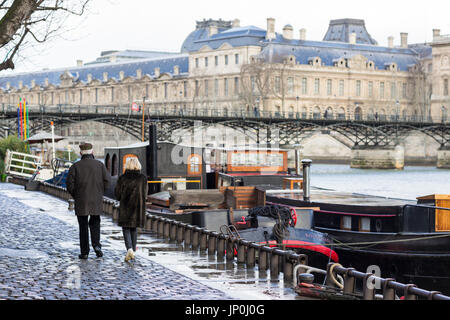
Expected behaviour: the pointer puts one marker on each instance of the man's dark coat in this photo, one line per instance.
(87, 181)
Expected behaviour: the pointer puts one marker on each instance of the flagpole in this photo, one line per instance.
(21, 121)
(143, 111)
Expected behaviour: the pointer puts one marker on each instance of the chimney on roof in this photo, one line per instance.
(138, 73)
(105, 76)
(390, 41)
(176, 70)
(288, 32)
(79, 63)
(157, 72)
(89, 78)
(236, 23)
(404, 39)
(46, 82)
(352, 38)
(436, 33)
(121, 75)
(302, 34)
(270, 29)
(212, 30)
(20, 84)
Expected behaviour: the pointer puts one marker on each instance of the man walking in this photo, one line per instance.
(87, 181)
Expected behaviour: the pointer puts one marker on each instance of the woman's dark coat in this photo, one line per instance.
(131, 190)
(87, 181)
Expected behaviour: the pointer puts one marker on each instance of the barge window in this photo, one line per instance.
(194, 164)
(364, 224)
(346, 223)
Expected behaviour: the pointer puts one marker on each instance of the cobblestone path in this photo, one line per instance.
(39, 260)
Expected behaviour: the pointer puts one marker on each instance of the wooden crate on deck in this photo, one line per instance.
(442, 217)
(243, 197)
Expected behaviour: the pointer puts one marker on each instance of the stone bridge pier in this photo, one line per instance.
(378, 157)
(443, 157)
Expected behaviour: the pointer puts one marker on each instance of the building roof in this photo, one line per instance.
(128, 55)
(330, 52)
(340, 30)
(147, 66)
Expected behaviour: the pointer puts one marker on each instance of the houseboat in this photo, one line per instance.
(405, 240)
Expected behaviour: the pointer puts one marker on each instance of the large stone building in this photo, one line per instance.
(228, 67)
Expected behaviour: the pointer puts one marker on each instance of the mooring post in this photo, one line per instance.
(161, 226)
(407, 294)
(195, 238)
(368, 287)
(203, 240)
(188, 236)
(262, 262)
(221, 246)
(349, 281)
(212, 241)
(241, 251)
(180, 232)
(388, 292)
(166, 229)
(230, 249)
(251, 255)
(275, 263)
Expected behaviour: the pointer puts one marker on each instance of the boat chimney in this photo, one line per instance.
(152, 160)
(306, 163)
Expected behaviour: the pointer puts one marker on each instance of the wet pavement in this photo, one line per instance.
(39, 260)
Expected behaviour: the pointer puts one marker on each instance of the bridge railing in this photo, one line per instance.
(164, 111)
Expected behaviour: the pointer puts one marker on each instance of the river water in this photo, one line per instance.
(409, 183)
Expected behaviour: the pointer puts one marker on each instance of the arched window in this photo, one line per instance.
(114, 168)
(316, 113)
(341, 113)
(358, 113)
(108, 163)
(328, 113)
(194, 165)
(291, 111)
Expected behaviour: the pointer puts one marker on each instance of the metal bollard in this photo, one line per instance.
(407, 294)
(71, 204)
(166, 229)
(242, 246)
(262, 262)
(288, 270)
(221, 246)
(230, 249)
(368, 291)
(275, 263)
(161, 226)
(195, 238)
(148, 223)
(173, 230)
(251, 255)
(203, 240)
(188, 236)
(388, 292)
(155, 224)
(180, 232)
(349, 282)
(212, 241)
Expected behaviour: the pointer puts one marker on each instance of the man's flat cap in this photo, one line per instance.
(85, 146)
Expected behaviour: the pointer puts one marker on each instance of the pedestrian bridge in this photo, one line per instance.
(360, 132)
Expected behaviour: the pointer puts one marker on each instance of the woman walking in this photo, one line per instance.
(131, 190)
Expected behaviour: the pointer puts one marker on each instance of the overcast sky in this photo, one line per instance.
(164, 24)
